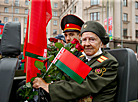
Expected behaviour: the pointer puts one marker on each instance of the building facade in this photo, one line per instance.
(122, 17)
(15, 10)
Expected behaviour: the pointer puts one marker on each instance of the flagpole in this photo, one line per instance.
(47, 70)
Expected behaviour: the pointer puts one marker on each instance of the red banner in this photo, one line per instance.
(39, 15)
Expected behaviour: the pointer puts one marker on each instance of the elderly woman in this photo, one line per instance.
(100, 84)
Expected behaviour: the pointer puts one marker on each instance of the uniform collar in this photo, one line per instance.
(96, 54)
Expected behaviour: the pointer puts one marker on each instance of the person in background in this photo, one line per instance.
(71, 26)
(100, 84)
(61, 39)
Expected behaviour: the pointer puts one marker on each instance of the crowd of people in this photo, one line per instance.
(100, 84)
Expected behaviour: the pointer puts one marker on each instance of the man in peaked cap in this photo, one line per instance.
(100, 84)
(71, 26)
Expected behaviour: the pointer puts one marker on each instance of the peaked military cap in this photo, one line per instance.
(71, 23)
(97, 28)
(61, 37)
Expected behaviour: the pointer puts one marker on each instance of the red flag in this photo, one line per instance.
(71, 65)
(36, 42)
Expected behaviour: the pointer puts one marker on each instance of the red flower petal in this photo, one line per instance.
(55, 40)
(51, 39)
(79, 47)
(74, 41)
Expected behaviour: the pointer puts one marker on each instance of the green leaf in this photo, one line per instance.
(43, 70)
(39, 75)
(28, 84)
(30, 97)
(48, 79)
(32, 79)
(59, 75)
(63, 77)
(24, 86)
(43, 58)
(59, 45)
(50, 71)
(51, 57)
(67, 46)
(39, 65)
(34, 93)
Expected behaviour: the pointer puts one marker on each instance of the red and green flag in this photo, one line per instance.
(1, 29)
(71, 65)
(36, 41)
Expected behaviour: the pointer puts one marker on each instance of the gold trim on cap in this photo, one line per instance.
(67, 25)
(85, 26)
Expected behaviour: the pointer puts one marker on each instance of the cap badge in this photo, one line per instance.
(85, 26)
(67, 25)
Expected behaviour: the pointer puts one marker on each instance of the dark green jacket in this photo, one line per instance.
(100, 83)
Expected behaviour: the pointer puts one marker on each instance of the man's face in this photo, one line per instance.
(69, 36)
(91, 43)
(61, 41)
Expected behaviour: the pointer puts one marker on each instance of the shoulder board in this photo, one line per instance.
(81, 56)
(102, 58)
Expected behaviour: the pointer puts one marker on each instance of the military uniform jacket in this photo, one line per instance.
(100, 83)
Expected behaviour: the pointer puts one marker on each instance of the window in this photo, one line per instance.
(6, 1)
(24, 30)
(6, 9)
(25, 20)
(5, 19)
(70, 11)
(46, 31)
(16, 10)
(136, 19)
(95, 16)
(26, 11)
(16, 19)
(55, 13)
(136, 33)
(125, 32)
(94, 2)
(124, 2)
(54, 31)
(26, 2)
(55, 5)
(55, 22)
(74, 9)
(125, 17)
(16, 2)
(136, 5)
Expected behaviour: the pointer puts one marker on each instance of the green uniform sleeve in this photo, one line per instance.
(67, 90)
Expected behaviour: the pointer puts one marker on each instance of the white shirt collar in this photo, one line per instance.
(96, 54)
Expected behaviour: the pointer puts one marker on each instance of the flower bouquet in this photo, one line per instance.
(52, 73)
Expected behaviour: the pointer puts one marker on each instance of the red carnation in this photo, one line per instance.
(55, 40)
(74, 41)
(51, 39)
(79, 47)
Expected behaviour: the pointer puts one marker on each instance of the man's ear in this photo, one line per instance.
(79, 36)
(102, 45)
